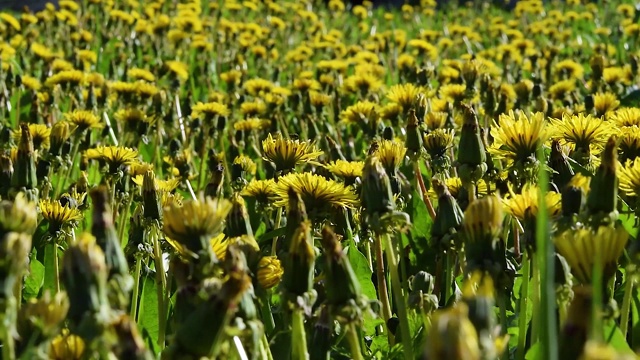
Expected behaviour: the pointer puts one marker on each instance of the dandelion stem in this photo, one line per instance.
(383, 293)
(274, 243)
(123, 221)
(136, 288)
(299, 336)
(162, 281)
(63, 180)
(265, 347)
(56, 266)
(400, 299)
(522, 311)
(626, 304)
(535, 298)
(267, 316)
(448, 276)
(423, 190)
(354, 342)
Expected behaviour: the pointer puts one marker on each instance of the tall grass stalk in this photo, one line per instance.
(546, 268)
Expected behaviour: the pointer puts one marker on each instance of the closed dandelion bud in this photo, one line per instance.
(490, 101)
(376, 195)
(470, 73)
(215, 186)
(421, 295)
(45, 314)
(60, 133)
(25, 166)
(299, 263)
(485, 84)
(597, 67)
(472, 157)
(414, 140)
(136, 245)
(449, 215)
(14, 261)
(559, 163)
(213, 314)
(296, 215)
(523, 91)
(102, 228)
(452, 336)
(19, 216)
(421, 109)
(574, 195)
(6, 172)
(342, 285)
(388, 133)
(269, 272)
(589, 103)
(84, 275)
(129, 344)
(482, 229)
(150, 197)
(602, 198)
(66, 346)
(238, 222)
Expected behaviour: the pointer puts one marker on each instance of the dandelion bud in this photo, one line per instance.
(25, 166)
(299, 263)
(150, 197)
(449, 215)
(589, 103)
(634, 62)
(18, 216)
(14, 255)
(342, 285)
(421, 109)
(604, 190)
(523, 91)
(472, 157)
(478, 294)
(215, 186)
(470, 73)
(574, 195)
(482, 230)
(59, 136)
(238, 223)
(321, 336)
(6, 172)
(559, 163)
(129, 344)
(66, 346)
(388, 133)
(45, 314)
(414, 140)
(452, 336)
(376, 195)
(103, 230)
(421, 295)
(84, 275)
(597, 67)
(269, 272)
(296, 215)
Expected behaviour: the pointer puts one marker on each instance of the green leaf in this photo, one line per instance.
(49, 267)
(272, 234)
(34, 281)
(635, 319)
(360, 266)
(631, 99)
(628, 219)
(148, 314)
(534, 352)
(420, 219)
(615, 338)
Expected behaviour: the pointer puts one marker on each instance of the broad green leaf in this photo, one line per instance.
(628, 219)
(34, 281)
(148, 313)
(361, 268)
(271, 234)
(420, 219)
(534, 352)
(614, 337)
(635, 319)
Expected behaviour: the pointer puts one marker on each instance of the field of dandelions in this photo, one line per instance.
(314, 180)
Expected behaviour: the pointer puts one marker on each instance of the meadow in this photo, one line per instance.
(314, 180)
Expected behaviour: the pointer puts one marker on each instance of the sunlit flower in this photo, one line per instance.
(405, 95)
(162, 185)
(391, 153)
(209, 110)
(270, 272)
(526, 203)
(581, 130)
(627, 116)
(58, 215)
(40, 134)
(438, 141)
(604, 103)
(141, 74)
(453, 92)
(114, 156)
(66, 346)
(347, 170)
(285, 154)
(247, 165)
(319, 195)
(582, 247)
(518, 137)
(261, 190)
(83, 119)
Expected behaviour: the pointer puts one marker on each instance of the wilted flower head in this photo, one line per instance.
(67, 346)
(18, 215)
(285, 154)
(269, 272)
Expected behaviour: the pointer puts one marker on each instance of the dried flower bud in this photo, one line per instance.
(60, 133)
(238, 222)
(472, 157)
(559, 162)
(342, 285)
(150, 197)
(299, 262)
(376, 194)
(269, 272)
(46, 314)
(25, 166)
(414, 140)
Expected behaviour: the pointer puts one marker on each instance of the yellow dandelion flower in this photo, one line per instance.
(40, 133)
(178, 68)
(257, 86)
(405, 95)
(66, 77)
(83, 119)
(360, 112)
(262, 190)
(581, 248)
(162, 185)
(581, 131)
(518, 137)
(629, 175)
(31, 83)
(347, 170)
(209, 110)
(520, 205)
(285, 154)
(453, 92)
(58, 215)
(114, 156)
(391, 153)
(253, 108)
(246, 164)
(141, 74)
(319, 195)
(252, 124)
(438, 141)
(561, 88)
(363, 83)
(605, 103)
(629, 143)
